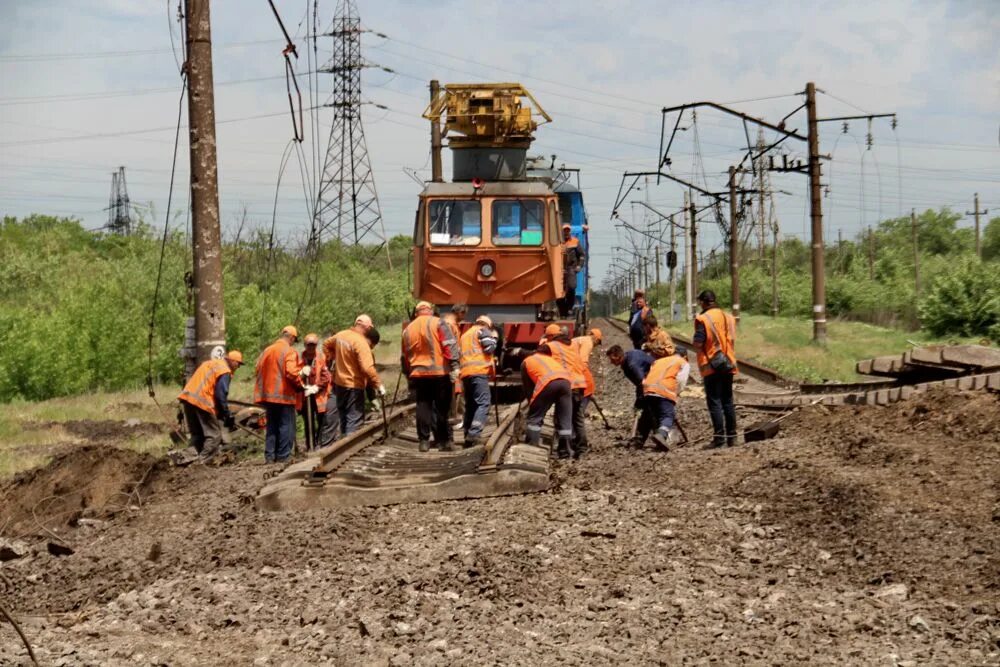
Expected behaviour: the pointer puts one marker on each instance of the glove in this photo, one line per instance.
(311, 389)
(306, 371)
(377, 404)
(229, 422)
(454, 375)
(381, 390)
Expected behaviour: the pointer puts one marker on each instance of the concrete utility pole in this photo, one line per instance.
(436, 174)
(816, 217)
(871, 254)
(693, 282)
(916, 253)
(209, 318)
(734, 242)
(672, 265)
(976, 212)
(774, 271)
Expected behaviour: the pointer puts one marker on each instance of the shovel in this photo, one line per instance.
(593, 399)
(767, 429)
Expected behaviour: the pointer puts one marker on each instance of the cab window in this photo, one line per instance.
(518, 222)
(455, 222)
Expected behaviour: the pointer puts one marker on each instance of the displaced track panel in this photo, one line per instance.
(368, 468)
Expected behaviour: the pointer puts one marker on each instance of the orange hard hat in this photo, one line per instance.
(596, 333)
(311, 339)
(291, 331)
(553, 330)
(423, 305)
(235, 356)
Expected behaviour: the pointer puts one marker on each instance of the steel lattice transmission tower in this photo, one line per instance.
(347, 202)
(119, 210)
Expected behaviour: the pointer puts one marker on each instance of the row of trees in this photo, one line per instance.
(871, 278)
(75, 306)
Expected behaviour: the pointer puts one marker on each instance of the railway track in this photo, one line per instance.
(381, 465)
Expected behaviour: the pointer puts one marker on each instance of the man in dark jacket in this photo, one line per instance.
(637, 321)
(635, 364)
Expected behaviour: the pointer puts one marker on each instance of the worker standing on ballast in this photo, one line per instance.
(430, 360)
(478, 344)
(635, 364)
(584, 345)
(454, 319)
(661, 388)
(574, 260)
(637, 320)
(715, 342)
(277, 381)
(205, 401)
(350, 353)
(316, 380)
(558, 342)
(547, 382)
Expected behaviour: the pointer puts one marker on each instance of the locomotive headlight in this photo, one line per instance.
(486, 269)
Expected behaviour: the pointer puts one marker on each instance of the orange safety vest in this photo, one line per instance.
(273, 384)
(570, 359)
(474, 360)
(200, 389)
(584, 345)
(423, 349)
(543, 369)
(319, 374)
(726, 326)
(662, 378)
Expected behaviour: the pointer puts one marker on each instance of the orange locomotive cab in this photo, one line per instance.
(492, 237)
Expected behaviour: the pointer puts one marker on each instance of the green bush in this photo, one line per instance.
(964, 301)
(75, 306)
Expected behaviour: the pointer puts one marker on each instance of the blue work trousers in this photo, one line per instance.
(662, 410)
(350, 407)
(280, 434)
(476, 389)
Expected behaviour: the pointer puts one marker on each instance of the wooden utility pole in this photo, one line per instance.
(816, 218)
(436, 175)
(734, 242)
(916, 253)
(209, 319)
(672, 265)
(871, 253)
(976, 212)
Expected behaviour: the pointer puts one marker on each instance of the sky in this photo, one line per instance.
(88, 86)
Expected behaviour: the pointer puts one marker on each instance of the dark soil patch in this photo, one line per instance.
(80, 481)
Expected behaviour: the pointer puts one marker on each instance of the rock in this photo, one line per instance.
(897, 592)
(918, 623)
(267, 571)
(403, 629)
(58, 549)
(824, 555)
(667, 534)
(155, 551)
(439, 645)
(12, 549)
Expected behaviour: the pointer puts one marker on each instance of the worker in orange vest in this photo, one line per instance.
(715, 342)
(314, 361)
(277, 382)
(661, 388)
(205, 401)
(584, 345)
(350, 353)
(558, 341)
(430, 361)
(547, 382)
(573, 262)
(478, 344)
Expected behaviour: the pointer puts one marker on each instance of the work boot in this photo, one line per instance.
(533, 438)
(448, 446)
(635, 443)
(564, 449)
(731, 440)
(718, 442)
(471, 441)
(424, 446)
(581, 449)
(660, 439)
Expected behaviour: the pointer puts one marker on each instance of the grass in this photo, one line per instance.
(785, 345)
(31, 432)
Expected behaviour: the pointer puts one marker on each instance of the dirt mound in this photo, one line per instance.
(102, 431)
(86, 481)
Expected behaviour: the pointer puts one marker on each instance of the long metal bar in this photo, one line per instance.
(733, 112)
(869, 116)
